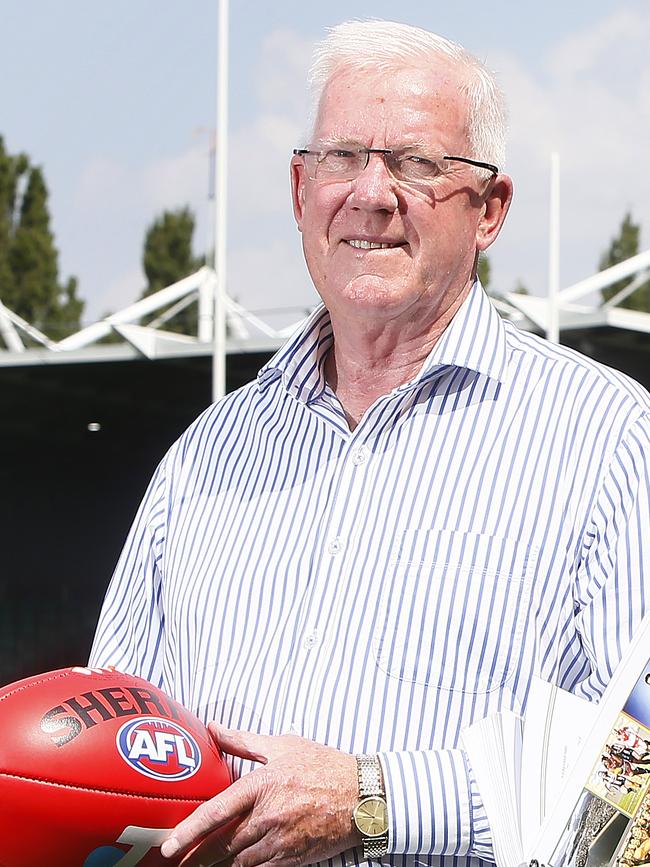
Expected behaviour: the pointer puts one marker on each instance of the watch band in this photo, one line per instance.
(374, 848)
(370, 776)
(371, 784)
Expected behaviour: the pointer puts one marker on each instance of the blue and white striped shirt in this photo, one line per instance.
(380, 589)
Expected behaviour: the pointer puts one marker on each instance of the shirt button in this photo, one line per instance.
(360, 455)
(335, 546)
(310, 640)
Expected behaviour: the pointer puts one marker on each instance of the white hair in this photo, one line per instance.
(387, 45)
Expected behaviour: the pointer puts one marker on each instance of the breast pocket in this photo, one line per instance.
(453, 609)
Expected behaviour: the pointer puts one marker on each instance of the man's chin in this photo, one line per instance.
(370, 296)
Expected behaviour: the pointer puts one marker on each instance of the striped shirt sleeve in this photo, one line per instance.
(131, 623)
(429, 798)
(613, 571)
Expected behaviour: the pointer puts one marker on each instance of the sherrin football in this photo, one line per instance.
(96, 767)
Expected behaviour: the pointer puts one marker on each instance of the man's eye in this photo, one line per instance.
(419, 166)
(338, 161)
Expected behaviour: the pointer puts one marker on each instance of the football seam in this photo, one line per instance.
(120, 792)
(34, 681)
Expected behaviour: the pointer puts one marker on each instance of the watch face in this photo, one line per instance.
(371, 817)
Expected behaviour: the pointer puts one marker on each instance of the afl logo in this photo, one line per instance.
(159, 748)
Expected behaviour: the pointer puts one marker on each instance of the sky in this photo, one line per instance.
(117, 102)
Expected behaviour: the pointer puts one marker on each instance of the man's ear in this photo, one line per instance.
(495, 207)
(298, 176)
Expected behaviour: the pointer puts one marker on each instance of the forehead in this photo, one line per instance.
(393, 106)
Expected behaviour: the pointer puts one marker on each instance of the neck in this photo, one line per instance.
(370, 359)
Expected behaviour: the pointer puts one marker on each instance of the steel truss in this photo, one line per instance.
(572, 307)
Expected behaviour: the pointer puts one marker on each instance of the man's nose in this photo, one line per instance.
(374, 188)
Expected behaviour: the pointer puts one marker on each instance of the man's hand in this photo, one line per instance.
(295, 809)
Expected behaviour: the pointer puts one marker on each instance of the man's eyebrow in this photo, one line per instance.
(415, 144)
(338, 142)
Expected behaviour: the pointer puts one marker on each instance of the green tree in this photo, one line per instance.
(483, 270)
(29, 279)
(12, 171)
(168, 257)
(624, 245)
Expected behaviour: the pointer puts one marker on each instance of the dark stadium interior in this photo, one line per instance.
(69, 494)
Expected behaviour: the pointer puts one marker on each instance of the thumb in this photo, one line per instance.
(245, 745)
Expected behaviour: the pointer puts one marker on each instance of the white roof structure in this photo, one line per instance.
(575, 308)
(247, 332)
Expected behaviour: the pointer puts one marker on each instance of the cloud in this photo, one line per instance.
(281, 73)
(259, 175)
(120, 292)
(272, 276)
(100, 177)
(115, 202)
(589, 102)
(260, 222)
(167, 182)
(173, 181)
(591, 52)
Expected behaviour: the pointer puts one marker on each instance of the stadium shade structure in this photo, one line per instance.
(572, 307)
(246, 332)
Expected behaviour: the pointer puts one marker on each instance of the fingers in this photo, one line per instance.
(257, 854)
(220, 847)
(213, 815)
(243, 851)
(294, 810)
(245, 745)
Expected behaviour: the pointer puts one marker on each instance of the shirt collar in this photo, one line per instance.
(475, 339)
(300, 361)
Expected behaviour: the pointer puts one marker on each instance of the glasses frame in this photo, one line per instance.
(301, 152)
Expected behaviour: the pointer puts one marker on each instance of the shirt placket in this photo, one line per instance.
(324, 614)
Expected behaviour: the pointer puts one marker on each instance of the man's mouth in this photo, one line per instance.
(373, 245)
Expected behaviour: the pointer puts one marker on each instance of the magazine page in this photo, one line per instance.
(521, 769)
(555, 729)
(603, 815)
(493, 746)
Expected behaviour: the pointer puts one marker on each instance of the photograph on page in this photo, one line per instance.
(621, 774)
(600, 831)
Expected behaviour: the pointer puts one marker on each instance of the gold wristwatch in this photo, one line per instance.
(371, 813)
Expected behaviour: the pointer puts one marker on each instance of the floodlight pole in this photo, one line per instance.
(553, 328)
(220, 198)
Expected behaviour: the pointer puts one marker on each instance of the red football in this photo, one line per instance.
(96, 767)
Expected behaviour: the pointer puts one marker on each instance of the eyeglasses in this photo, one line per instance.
(346, 164)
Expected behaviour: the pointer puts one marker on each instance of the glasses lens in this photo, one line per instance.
(339, 164)
(414, 169)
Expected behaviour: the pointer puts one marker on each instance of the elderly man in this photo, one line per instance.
(413, 509)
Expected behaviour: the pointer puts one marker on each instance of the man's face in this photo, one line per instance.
(433, 232)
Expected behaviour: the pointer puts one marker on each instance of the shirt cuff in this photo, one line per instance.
(434, 805)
